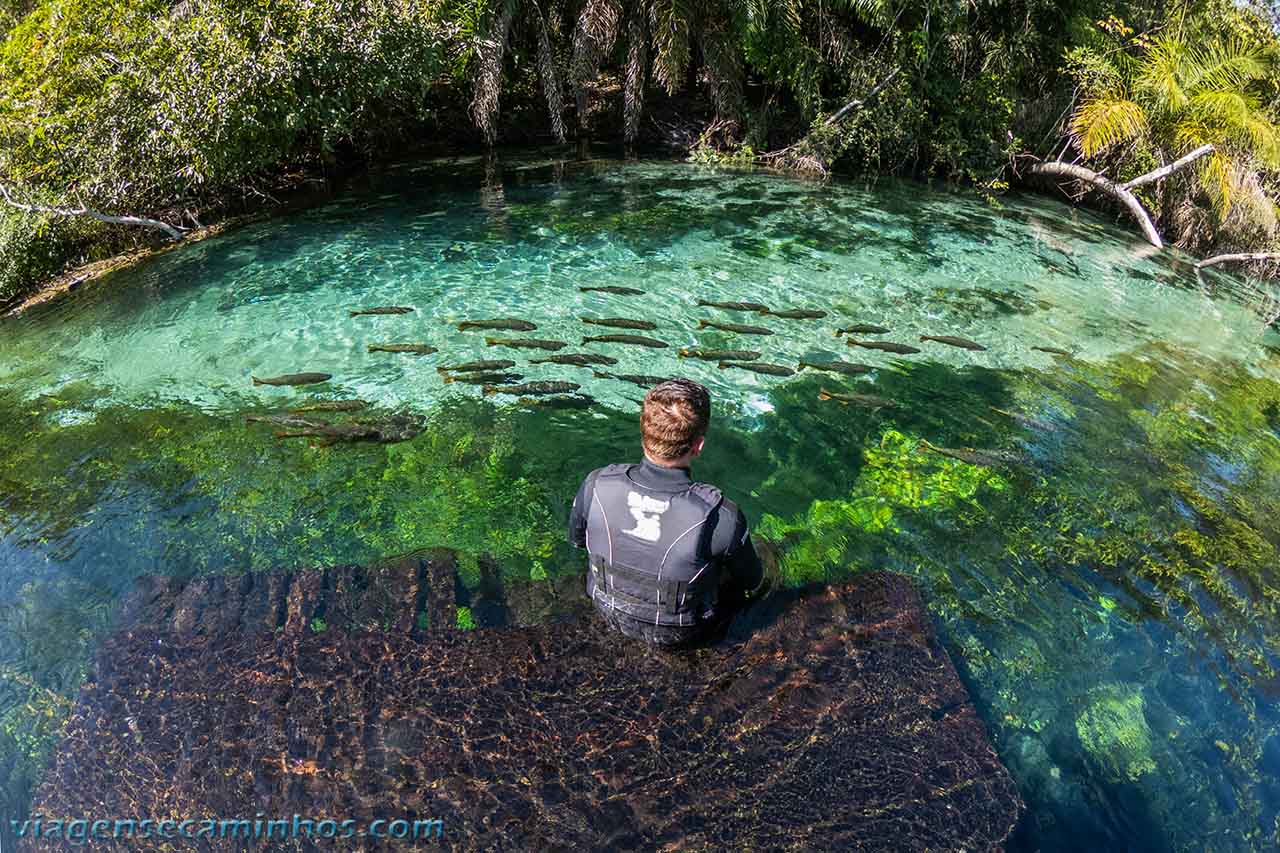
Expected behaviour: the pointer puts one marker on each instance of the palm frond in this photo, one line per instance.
(550, 79)
(1160, 76)
(593, 38)
(1100, 123)
(637, 70)
(1232, 65)
(491, 46)
(1215, 174)
(671, 22)
(1263, 139)
(724, 72)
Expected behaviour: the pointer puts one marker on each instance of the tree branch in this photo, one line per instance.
(1106, 186)
(1245, 256)
(1165, 171)
(175, 233)
(858, 103)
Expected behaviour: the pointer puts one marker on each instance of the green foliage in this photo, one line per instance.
(318, 625)
(464, 620)
(138, 106)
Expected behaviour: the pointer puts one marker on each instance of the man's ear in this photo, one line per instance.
(697, 445)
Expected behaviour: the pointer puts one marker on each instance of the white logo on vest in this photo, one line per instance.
(647, 512)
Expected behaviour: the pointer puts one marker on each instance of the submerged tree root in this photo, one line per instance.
(830, 718)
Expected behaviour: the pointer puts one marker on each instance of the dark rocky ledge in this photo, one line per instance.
(830, 718)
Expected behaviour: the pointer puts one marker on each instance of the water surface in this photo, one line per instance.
(1110, 598)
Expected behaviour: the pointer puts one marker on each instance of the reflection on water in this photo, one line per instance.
(1110, 595)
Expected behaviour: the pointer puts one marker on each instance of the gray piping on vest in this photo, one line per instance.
(609, 533)
(663, 565)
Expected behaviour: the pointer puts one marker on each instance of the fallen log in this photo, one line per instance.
(830, 718)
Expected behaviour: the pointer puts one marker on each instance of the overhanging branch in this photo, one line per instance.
(1116, 191)
(175, 233)
(1165, 171)
(1243, 256)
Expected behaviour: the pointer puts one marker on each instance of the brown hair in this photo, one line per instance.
(674, 416)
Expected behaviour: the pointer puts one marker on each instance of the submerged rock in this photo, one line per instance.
(828, 718)
(1114, 733)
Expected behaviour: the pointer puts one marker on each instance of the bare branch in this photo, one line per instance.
(1165, 171)
(859, 103)
(1106, 186)
(1244, 256)
(173, 232)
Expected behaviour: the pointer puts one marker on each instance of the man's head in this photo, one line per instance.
(674, 421)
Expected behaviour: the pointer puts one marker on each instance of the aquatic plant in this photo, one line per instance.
(1114, 732)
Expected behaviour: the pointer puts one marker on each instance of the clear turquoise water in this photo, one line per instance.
(1111, 601)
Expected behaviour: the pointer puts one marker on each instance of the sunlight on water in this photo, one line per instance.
(1110, 594)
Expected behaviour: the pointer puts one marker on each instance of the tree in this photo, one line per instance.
(1169, 101)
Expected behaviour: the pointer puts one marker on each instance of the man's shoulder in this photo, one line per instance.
(610, 470)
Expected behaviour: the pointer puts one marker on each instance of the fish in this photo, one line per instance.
(1052, 351)
(294, 379)
(560, 401)
(383, 309)
(847, 367)
(886, 346)
(415, 349)
(384, 432)
(861, 329)
(580, 359)
(621, 323)
(796, 314)
(983, 458)
(330, 406)
(869, 400)
(280, 420)
(735, 327)
(634, 379)
(472, 366)
(639, 340)
(485, 378)
(734, 306)
(1029, 421)
(525, 343)
(506, 324)
(533, 388)
(613, 288)
(759, 367)
(951, 340)
(720, 354)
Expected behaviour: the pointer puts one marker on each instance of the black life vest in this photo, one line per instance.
(650, 550)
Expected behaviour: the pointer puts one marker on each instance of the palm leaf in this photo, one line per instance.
(1225, 66)
(491, 45)
(1215, 178)
(671, 22)
(1100, 123)
(637, 66)
(550, 79)
(1160, 75)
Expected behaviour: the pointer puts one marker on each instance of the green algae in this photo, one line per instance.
(1114, 733)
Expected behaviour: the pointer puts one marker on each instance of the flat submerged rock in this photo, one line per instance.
(829, 718)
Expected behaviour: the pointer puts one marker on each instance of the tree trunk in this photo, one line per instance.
(1054, 169)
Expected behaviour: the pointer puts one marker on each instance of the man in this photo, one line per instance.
(669, 558)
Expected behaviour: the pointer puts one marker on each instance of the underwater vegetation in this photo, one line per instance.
(1114, 731)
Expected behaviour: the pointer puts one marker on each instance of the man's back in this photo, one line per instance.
(661, 548)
